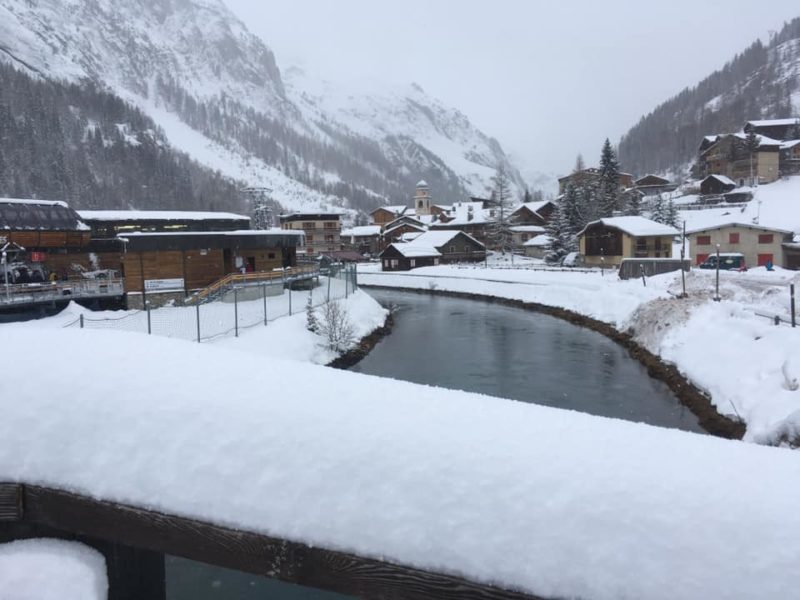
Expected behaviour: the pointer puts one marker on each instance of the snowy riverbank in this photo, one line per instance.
(726, 348)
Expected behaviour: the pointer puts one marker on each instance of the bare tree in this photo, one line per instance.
(500, 230)
(335, 326)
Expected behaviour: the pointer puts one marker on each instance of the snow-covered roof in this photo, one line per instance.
(635, 226)
(533, 206)
(389, 230)
(393, 208)
(158, 215)
(440, 237)
(538, 241)
(362, 231)
(789, 144)
(722, 179)
(254, 232)
(415, 251)
(741, 225)
(527, 228)
(33, 202)
(465, 213)
(762, 139)
(422, 183)
(410, 236)
(774, 122)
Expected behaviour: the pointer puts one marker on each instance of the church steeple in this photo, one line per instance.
(422, 199)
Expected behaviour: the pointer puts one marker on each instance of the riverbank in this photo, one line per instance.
(721, 358)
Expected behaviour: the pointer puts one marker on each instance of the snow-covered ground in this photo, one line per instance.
(558, 503)
(45, 569)
(731, 348)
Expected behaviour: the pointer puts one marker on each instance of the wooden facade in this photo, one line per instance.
(715, 185)
(394, 259)
(322, 231)
(606, 243)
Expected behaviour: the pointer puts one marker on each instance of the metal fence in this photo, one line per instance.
(240, 308)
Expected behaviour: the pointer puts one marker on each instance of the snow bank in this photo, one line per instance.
(550, 501)
(41, 569)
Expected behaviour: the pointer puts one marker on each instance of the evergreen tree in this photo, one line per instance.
(752, 143)
(311, 318)
(795, 133)
(633, 203)
(579, 164)
(609, 181)
(659, 210)
(557, 248)
(572, 219)
(672, 214)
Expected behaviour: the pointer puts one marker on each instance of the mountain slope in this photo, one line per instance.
(763, 82)
(218, 94)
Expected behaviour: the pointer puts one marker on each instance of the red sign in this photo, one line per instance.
(38, 256)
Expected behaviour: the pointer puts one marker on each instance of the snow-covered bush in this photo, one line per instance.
(335, 326)
(311, 318)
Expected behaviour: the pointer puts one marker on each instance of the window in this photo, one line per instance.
(309, 237)
(413, 263)
(733, 238)
(641, 245)
(765, 238)
(329, 238)
(452, 249)
(703, 240)
(330, 225)
(308, 225)
(395, 262)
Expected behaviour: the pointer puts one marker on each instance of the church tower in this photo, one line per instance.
(422, 199)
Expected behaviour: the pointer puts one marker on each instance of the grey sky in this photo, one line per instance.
(547, 79)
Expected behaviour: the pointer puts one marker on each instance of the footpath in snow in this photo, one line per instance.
(554, 502)
(731, 349)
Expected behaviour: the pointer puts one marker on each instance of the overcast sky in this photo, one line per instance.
(548, 79)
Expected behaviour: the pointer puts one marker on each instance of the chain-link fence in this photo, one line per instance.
(242, 307)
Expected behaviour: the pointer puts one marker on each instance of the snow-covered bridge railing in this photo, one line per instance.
(135, 540)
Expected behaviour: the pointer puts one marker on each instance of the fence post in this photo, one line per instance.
(346, 280)
(197, 307)
(81, 321)
(716, 287)
(794, 320)
(644, 280)
(236, 311)
(264, 295)
(149, 324)
(329, 286)
(290, 297)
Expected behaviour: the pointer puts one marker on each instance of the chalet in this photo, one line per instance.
(608, 241)
(591, 175)
(777, 129)
(758, 244)
(404, 257)
(453, 245)
(651, 185)
(730, 156)
(537, 246)
(386, 214)
(322, 231)
(364, 239)
(520, 234)
(533, 213)
(716, 185)
(398, 230)
(470, 217)
(790, 157)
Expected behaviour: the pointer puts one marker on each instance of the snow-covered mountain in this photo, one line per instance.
(218, 94)
(762, 82)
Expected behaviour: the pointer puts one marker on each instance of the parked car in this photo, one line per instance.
(573, 259)
(728, 261)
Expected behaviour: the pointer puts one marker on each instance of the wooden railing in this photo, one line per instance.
(232, 279)
(135, 540)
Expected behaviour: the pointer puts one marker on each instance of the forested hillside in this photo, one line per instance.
(84, 145)
(763, 82)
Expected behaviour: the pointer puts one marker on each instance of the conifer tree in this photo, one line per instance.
(752, 143)
(557, 248)
(672, 214)
(659, 211)
(311, 318)
(633, 203)
(609, 181)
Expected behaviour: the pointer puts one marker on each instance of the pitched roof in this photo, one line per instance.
(722, 179)
(159, 215)
(38, 215)
(741, 225)
(538, 241)
(414, 251)
(362, 231)
(441, 237)
(635, 226)
(774, 122)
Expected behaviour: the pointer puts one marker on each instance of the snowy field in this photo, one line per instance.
(731, 348)
(558, 503)
(45, 569)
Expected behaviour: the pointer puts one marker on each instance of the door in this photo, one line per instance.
(701, 258)
(763, 259)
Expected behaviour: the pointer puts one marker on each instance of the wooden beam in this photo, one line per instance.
(250, 552)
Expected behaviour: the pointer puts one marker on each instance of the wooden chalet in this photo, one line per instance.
(454, 245)
(591, 174)
(364, 239)
(607, 241)
(533, 213)
(730, 156)
(790, 158)
(716, 185)
(777, 129)
(386, 214)
(651, 185)
(404, 257)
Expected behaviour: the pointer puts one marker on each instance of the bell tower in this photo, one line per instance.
(422, 199)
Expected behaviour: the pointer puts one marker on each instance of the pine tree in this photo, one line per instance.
(557, 248)
(572, 219)
(311, 318)
(633, 203)
(752, 143)
(672, 214)
(609, 181)
(659, 211)
(795, 132)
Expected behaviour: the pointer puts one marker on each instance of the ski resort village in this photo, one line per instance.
(276, 324)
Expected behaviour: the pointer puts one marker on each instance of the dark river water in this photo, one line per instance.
(478, 347)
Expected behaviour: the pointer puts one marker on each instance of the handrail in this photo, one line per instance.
(259, 277)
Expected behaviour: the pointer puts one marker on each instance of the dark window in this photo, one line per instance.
(765, 238)
(703, 240)
(733, 238)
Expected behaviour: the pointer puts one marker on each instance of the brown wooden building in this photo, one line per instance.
(607, 241)
(322, 231)
(404, 257)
